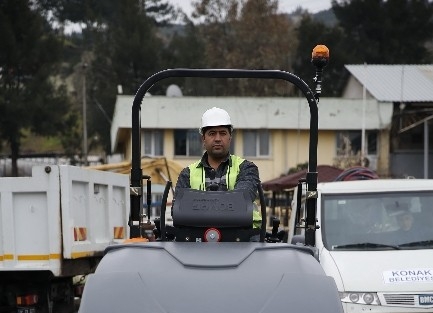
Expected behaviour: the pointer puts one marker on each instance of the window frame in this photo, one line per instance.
(261, 137)
(187, 135)
(154, 134)
(371, 142)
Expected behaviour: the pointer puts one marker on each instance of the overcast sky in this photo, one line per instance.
(287, 6)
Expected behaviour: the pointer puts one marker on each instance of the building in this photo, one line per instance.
(410, 89)
(273, 132)
(382, 118)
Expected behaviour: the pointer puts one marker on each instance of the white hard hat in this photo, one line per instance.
(215, 117)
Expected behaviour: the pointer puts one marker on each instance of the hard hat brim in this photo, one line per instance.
(200, 130)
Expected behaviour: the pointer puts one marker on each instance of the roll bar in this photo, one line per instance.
(136, 186)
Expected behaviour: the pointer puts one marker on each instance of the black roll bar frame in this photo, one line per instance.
(136, 184)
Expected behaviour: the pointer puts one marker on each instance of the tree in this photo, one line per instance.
(366, 31)
(120, 44)
(186, 50)
(230, 43)
(29, 100)
(311, 33)
(126, 52)
(386, 32)
(270, 46)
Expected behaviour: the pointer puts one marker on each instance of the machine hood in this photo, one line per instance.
(209, 277)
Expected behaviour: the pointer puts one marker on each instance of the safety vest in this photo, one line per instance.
(197, 180)
(197, 175)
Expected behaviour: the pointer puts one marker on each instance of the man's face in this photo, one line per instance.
(216, 141)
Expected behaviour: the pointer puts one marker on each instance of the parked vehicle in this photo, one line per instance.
(376, 239)
(55, 226)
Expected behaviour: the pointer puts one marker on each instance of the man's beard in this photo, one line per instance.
(219, 153)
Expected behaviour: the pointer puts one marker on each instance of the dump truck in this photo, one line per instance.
(206, 260)
(55, 226)
(375, 238)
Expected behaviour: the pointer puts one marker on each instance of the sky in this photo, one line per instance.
(286, 6)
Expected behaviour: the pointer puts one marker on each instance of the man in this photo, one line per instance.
(405, 220)
(407, 232)
(218, 169)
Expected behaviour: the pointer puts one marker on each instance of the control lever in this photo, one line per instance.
(146, 227)
(275, 235)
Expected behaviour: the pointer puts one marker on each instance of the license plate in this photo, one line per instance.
(425, 299)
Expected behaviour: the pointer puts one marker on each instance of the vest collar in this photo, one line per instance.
(204, 163)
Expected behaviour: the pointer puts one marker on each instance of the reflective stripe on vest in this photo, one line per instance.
(197, 176)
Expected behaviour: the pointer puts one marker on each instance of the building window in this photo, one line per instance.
(256, 143)
(153, 142)
(187, 142)
(232, 145)
(350, 142)
(371, 140)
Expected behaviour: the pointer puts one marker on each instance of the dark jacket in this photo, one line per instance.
(247, 179)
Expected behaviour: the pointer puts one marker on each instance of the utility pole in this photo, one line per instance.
(85, 157)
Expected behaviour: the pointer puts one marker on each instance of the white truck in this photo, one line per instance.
(54, 227)
(375, 238)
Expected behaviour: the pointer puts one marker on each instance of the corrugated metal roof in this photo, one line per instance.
(396, 83)
(158, 112)
(326, 173)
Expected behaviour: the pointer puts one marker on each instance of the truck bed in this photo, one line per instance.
(60, 213)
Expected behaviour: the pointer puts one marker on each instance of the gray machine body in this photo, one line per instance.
(198, 277)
